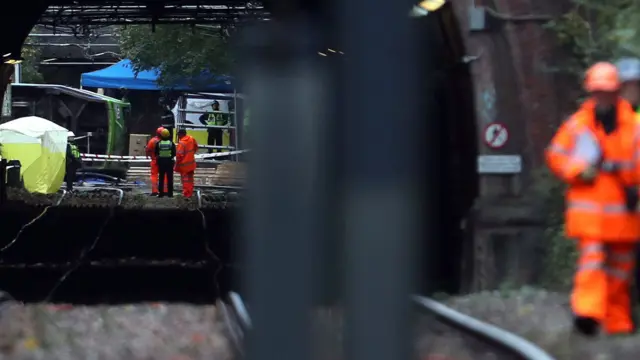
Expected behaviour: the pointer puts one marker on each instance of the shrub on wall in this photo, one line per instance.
(595, 30)
(559, 252)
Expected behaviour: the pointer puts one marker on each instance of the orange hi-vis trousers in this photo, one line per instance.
(601, 286)
(187, 183)
(154, 179)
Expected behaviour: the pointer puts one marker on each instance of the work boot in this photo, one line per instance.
(586, 326)
(154, 194)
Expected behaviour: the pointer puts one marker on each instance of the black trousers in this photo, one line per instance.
(214, 137)
(165, 168)
(70, 175)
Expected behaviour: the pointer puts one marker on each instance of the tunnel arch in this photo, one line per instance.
(449, 261)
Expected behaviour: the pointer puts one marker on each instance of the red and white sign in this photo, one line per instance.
(496, 135)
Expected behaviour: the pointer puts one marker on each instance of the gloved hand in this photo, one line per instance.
(632, 199)
(589, 174)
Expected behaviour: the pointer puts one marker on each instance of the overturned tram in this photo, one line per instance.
(108, 246)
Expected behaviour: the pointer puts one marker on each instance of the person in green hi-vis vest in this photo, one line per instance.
(165, 152)
(215, 118)
(629, 73)
(73, 162)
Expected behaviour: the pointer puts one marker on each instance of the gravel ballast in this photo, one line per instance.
(182, 332)
(542, 317)
(545, 319)
(141, 331)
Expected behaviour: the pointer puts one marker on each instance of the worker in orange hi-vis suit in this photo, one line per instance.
(150, 152)
(186, 161)
(597, 153)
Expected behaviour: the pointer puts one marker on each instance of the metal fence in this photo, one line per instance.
(306, 151)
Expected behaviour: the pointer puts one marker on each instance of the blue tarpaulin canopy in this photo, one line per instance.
(121, 75)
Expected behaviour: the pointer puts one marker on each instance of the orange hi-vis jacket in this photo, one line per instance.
(185, 154)
(151, 149)
(598, 210)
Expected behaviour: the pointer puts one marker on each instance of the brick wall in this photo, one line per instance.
(514, 80)
(513, 85)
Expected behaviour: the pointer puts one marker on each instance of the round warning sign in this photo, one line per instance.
(496, 135)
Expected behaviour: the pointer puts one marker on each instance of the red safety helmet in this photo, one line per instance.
(159, 131)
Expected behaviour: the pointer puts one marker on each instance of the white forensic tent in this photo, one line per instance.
(41, 147)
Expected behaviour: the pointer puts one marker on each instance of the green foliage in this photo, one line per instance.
(596, 30)
(560, 260)
(560, 253)
(179, 51)
(31, 64)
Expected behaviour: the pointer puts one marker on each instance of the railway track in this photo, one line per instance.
(230, 174)
(449, 333)
(454, 335)
(442, 333)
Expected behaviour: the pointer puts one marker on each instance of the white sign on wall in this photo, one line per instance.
(499, 164)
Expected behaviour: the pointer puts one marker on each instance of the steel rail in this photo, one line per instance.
(199, 196)
(233, 330)
(241, 310)
(499, 338)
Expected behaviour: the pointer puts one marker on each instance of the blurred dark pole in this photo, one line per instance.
(382, 175)
(284, 78)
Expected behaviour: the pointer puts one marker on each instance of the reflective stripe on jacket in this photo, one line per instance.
(598, 210)
(74, 151)
(216, 120)
(164, 149)
(185, 154)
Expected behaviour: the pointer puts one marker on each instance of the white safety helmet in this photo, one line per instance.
(629, 69)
